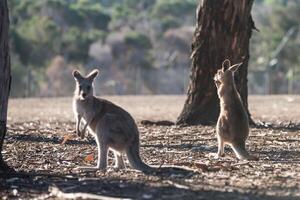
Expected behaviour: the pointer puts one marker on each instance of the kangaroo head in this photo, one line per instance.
(84, 84)
(224, 76)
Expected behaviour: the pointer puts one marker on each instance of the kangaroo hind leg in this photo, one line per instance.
(241, 152)
(220, 147)
(119, 162)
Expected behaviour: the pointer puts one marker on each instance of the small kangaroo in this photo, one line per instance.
(112, 127)
(233, 125)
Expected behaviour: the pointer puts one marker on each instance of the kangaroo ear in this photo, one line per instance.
(93, 74)
(225, 65)
(235, 67)
(77, 76)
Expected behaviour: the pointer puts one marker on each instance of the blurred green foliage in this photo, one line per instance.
(138, 40)
(274, 18)
(173, 8)
(42, 30)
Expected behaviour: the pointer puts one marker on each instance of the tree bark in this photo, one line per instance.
(223, 31)
(5, 76)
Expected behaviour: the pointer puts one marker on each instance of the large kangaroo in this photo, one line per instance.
(112, 127)
(233, 125)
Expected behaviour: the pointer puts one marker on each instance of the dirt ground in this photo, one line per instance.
(41, 145)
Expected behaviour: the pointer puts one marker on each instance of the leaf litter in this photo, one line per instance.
(46, 155)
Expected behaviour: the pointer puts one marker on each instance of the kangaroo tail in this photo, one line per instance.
(241, 152)
(133, 155)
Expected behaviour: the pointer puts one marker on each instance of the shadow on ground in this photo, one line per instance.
(277, 126)
(274, 155)
(57, 186)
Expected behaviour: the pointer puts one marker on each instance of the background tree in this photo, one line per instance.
(223, 30)
(5, 78)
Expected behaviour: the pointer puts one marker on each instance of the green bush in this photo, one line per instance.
(174, 8)
(169, 22)
(38, 39)
(75, 43)
(86, 13)
(137, 40)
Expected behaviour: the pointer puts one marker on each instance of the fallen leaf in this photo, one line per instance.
(89, 158)
(201, 166)
(66, 138)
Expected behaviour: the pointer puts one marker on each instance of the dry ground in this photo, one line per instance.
(37, 127)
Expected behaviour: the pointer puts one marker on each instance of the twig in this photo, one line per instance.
(157, 123)
(177, 185)
(54, 191)
(241, 163)
(21, 174)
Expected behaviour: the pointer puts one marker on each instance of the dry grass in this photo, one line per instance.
(265, 108)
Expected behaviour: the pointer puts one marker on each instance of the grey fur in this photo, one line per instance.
(233, 124)
(113, 128)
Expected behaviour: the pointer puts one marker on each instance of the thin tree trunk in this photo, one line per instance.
(223, 31)
(5, 77)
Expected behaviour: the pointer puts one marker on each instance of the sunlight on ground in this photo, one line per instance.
(158, 107)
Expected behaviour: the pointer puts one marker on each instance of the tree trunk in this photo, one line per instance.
(5, 77)
(223, 31)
